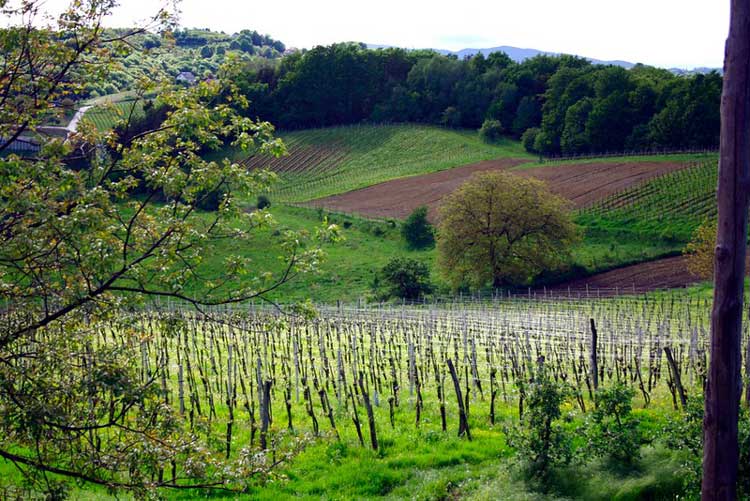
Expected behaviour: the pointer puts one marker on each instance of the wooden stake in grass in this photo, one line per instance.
(676, 377)
(265, 414)
(463, 421)
(594, 360)
(355, 418)
(370, 414)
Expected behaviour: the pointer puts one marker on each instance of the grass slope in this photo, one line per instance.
(349, 267)
(335, 160)
(648, 221)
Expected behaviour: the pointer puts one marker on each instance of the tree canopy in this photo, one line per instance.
(578, 107)
(500, 229)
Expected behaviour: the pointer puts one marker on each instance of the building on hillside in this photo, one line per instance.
(185, 77)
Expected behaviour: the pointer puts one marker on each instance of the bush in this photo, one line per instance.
(263, 202)
(539, 439)
(612, 430)
(491, 131)
(417, 231)
(402, 278)
(211, 200)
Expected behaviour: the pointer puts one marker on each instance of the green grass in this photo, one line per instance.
(335, 160)
(349, 267)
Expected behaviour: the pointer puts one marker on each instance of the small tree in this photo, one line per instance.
(700, 250)
(402, 278)
(540, 441)
(502, 229)
(491, 131)
(612, 429)
(528, 139)
(417, 230)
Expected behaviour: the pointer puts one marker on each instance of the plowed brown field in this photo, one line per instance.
(582, 184)
(667, 273)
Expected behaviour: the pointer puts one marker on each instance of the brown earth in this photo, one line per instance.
(583, 184)
(667, 273)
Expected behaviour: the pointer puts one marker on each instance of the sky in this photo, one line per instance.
(666, 33)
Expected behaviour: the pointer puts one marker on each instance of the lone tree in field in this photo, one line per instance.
(502, 229)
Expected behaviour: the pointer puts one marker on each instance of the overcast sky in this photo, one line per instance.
(667, 33)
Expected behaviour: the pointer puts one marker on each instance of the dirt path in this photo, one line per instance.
(581, 183)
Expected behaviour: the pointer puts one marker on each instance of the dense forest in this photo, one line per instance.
(556, 104)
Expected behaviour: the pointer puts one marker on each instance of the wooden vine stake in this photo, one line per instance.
(723, 390)
(463, 421)
(370, 414)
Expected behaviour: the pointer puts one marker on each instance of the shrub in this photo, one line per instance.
(538, 438)
(612, 430)
(528, 138)
(210, 200)
(263, 202)
(417, 231)
(491, 131)
(402, 278)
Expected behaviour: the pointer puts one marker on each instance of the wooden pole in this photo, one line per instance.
(723, 390)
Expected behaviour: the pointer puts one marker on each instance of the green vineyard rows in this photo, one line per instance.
(105, 117)
(675, 203)
(324, 162)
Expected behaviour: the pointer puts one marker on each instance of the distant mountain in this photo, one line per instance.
(519, 55)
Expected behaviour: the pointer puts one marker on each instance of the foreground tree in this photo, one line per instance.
(501, 229)
(723, 390)
(78, 247)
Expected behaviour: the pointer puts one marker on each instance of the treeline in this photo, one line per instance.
(560, 104)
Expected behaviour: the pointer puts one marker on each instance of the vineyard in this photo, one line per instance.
(106, 116)
(250, 378)
(678, 202)
(323, 162)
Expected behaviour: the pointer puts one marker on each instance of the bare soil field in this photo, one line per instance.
(667, 273)
(582, 184)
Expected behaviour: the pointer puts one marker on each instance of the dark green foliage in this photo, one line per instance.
(263, 202)
(586, 108)
(541, 443)
(612, 430)
(402, 278)
(211, 200)
(417, 230)
(491, 130)
(528, 139)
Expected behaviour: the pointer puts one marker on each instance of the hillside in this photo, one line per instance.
(154, 56)
(324, 162)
